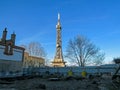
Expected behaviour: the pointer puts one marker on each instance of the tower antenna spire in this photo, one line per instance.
(58, 16)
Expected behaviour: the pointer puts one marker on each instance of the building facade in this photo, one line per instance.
(11, 56)
(32, 61)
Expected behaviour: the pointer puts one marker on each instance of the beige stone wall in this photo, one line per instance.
(32, 61)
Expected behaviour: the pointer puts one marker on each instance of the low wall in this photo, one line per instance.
(75, 70)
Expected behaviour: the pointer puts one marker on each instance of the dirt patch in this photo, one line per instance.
(45, 84)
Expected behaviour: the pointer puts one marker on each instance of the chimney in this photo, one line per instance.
(13, 36)
(4, 36)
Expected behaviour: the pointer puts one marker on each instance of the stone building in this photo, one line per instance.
(32, 61)
(11, 56)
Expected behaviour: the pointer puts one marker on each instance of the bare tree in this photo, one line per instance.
(82, 51)
(35, 49)
(98, 59)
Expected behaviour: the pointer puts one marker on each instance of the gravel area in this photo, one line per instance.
(46, 84)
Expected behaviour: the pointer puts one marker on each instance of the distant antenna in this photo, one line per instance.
(58, 16)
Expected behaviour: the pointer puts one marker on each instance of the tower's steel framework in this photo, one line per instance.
(58, 59)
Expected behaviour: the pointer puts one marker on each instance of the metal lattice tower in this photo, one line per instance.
(58, 59)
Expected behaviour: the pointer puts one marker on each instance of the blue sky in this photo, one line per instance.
(35, 20)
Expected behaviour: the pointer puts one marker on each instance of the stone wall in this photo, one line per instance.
(76, 70)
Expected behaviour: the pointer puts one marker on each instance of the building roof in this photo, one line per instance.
(16, 47)
(27, 54)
